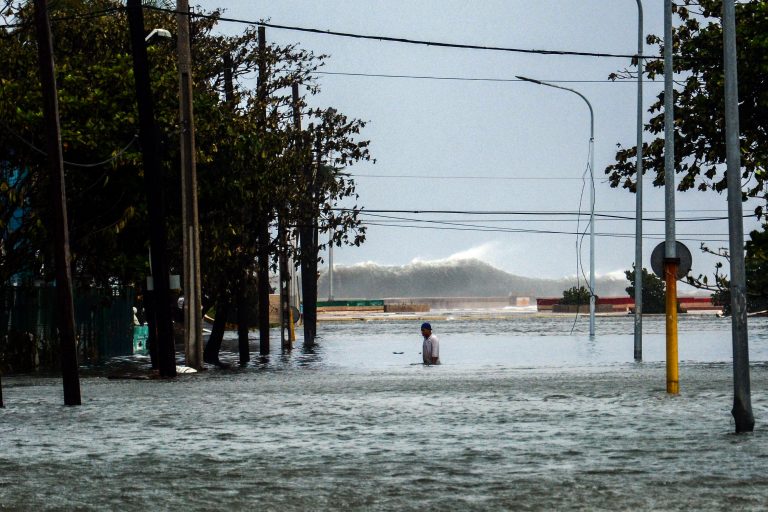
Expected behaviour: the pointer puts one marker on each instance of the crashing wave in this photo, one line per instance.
(451, 278)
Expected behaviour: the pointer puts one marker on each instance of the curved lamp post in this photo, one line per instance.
(591, 197)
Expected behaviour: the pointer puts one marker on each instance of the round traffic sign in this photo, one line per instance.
(683, 254)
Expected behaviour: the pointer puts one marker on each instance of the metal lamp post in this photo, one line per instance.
(639, 193)
(591, 197)
(742, 394)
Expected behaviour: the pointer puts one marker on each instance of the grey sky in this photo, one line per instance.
(477, 144)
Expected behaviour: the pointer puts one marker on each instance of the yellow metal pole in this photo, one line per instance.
(673, 377)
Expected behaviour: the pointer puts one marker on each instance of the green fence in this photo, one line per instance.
(28, 334)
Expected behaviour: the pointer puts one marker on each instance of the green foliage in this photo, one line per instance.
(98, 121)
(654, 291)
(699, 103)
(574, 296)
(756, 273)
(251, 160)
(700, 121)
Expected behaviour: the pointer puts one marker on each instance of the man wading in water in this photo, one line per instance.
(430, 350)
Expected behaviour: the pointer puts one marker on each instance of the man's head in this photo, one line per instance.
(426, 329)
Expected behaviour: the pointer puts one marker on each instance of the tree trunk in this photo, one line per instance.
(212, 348)
(243, 322)
(151, 318)
(309, 282)
(263, 284)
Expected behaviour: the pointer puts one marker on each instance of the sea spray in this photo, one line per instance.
(450, 278)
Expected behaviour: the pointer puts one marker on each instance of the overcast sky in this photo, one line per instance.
(489, 146)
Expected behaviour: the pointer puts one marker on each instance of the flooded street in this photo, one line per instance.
(522, 415)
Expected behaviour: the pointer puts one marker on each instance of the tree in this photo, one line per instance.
(756, 269)
(654, 291)
(107, 207)
(699, 103)
(575, 296)
(699, 113)
(98, 124)
(324, 186)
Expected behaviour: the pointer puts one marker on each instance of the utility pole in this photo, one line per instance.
(299, 151)
(285, 261)
(66, 308)
(311, 295)
(263, 219)
(308, 243)
(330, 264)
(742, 400)
(150, 151)
(285, 314)
(193, 338)
(671, 261)
(639, 193)
(242, 280)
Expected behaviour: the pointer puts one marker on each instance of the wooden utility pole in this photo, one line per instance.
(263, 219)
(287, 334)
(285, 313)
(241, 297)
(306, 232)
(150, 151)
(193, 338)
(65, 303)
(309, 238)
(298, 147)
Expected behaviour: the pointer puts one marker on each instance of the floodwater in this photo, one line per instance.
(521, 415)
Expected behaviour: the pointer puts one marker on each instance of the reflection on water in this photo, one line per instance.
(514, 420)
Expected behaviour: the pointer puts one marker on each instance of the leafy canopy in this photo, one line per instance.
(699, 103)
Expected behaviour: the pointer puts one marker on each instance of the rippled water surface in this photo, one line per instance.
(522, 415)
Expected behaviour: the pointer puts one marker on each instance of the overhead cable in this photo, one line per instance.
(437, 44)
(528, 212)
(470, 79)
(682, 237)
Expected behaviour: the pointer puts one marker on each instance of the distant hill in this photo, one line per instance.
(459, 278)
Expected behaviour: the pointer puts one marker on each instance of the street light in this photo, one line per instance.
(159, 32)
(591, 197)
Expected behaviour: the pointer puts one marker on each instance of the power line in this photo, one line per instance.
(367, 211)
(470, 79)
(437, 44)
(682, 237)
(83, 16)
(424, 176)
(398, 222)
(577, 219)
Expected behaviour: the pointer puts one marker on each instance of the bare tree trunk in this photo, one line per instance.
(243, 322)
(212, 348)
